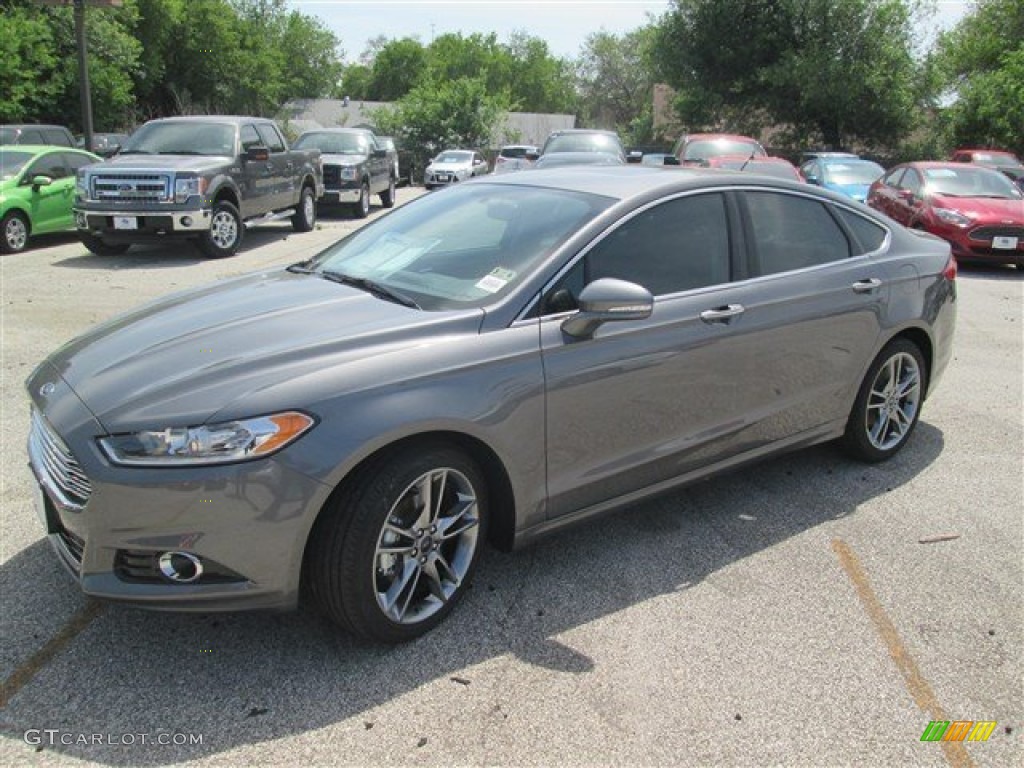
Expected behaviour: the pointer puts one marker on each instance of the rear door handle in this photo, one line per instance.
(722, 314)
(866, 286)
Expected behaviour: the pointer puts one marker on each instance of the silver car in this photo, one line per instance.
(453, 165)
(494, 363)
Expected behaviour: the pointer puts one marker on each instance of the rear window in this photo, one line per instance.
(705, 148)
(514, 152)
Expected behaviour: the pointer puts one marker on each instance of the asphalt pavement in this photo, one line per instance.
(807, 611)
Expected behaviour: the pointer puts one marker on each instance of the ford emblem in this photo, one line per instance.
(47, 389)
(125, 187)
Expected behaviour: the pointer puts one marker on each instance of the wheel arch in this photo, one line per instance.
(228, 194)
(920, 338)
(21, 211)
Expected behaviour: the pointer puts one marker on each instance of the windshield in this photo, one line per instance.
(454, 157)
(584, 142)
(187, 138)
(702, 149)
(778, 170)
(1001, 159)
(334, 143)
(964, 181)
(864, 172)
(11, 163)
(463, 248)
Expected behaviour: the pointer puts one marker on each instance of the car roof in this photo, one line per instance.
(562, 131)
(40, 149)
(759, 159)
(342, 130)
(226, 119)
(729, 136)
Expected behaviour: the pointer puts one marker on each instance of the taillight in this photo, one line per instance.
(950, 271)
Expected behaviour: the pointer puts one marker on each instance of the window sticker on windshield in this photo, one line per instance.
(498, 278)
(388, 254)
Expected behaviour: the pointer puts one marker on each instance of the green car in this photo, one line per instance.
(37, 189)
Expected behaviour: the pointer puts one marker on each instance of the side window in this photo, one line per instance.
(892, 178)
(75, 162)
(676, 246)
(32, 136)
(54, 136)
(271, 138)
(249, 137)
(792, 232)
(50, 165)
(912, 181)
(870, 236)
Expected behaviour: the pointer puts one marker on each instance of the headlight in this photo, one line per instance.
(187, 186)
(348, 173)
(80, 186)
(208, 444)
(953, 217)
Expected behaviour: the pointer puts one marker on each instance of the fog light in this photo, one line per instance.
(81, 221)
(180, 567)
(186, 221)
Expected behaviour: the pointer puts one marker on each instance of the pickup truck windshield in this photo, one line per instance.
(334, 143)
(188, 138)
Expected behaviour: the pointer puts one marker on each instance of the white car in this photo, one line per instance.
(516, 157)
(454, 165)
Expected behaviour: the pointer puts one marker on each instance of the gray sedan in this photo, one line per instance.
(494, 363)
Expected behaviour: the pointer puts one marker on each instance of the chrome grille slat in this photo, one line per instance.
(55, 463)
(131, 187)
(987, 233)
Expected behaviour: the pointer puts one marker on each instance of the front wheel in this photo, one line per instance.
(305, 216)
(888, 404)
(224, 236)
(102, 248)
(387, 198)
(361, 208)
(392, 556)
(15, 233)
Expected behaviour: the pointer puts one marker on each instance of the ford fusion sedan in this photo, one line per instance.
(492, 363)
(977, 209)
(453, 165)
(37, 188)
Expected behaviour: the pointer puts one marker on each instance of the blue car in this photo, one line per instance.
(850, 176)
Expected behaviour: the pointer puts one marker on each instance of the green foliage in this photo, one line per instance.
(616, 85)
(29, 67)
(828, 70)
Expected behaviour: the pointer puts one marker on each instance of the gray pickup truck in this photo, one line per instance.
(204, 179)
(356, 166)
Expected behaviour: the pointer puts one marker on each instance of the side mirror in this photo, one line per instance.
(906, 194)
(671, 160)
(813, 180)
(257, 154)
(608, 300)
(635, 156)
(380, 153)
(41, 181)
(532, 156)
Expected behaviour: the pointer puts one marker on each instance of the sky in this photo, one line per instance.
(563, 24)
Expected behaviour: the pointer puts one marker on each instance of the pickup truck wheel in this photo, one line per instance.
(387, 199)
(362, 207)
(15, 233)
(225, 233)
(101, 248)
(305, 217)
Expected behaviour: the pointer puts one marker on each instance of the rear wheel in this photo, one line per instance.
(889, 403)
(14, 232)
(396, 552)
(224, 236)
(102, 248)
(305, 216)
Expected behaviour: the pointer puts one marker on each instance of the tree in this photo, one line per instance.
(616, 83)
(828, 70)
(982, 60)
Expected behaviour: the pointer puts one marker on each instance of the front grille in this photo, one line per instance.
(987, 233)
(137, 566)
(332, 175)
(133, 187)
(55, 463)
(75, 545)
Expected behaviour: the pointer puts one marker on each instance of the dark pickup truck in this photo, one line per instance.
(200, 178)
(356, 166)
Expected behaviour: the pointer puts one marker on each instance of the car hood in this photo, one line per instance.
(223, 349)
(162, 162)
(449, 167)
(983, 208)
(858, 192)
(330, 158)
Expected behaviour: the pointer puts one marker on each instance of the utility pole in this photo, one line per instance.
(85, 93)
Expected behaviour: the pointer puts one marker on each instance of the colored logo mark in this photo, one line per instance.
(958, 730)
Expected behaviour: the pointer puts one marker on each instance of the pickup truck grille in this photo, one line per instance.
(131, 187)
(332, 176)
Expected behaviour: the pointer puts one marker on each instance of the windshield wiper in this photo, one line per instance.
(135, 152)
(300, 268)
(378, 290)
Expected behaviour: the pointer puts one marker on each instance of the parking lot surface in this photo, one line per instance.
(807, 611)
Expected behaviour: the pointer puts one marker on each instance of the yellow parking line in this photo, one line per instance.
(917, 686)
(23, 674)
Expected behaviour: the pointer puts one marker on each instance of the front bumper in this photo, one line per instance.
(131, 223)
(978, 243)
(247, 523)
(341, 196)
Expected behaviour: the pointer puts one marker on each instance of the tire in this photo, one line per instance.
(888, 404)
(15, 230)
(387, 199)
(102, 248)
(224, 236)
(305, 215)
(361, 208)
(383, 566)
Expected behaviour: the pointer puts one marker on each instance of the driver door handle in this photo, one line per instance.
(866, 286)
(722, 314)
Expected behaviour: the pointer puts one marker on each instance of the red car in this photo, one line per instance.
(1000, 159)
(978, 210)
(696, 148)
(778, 167)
